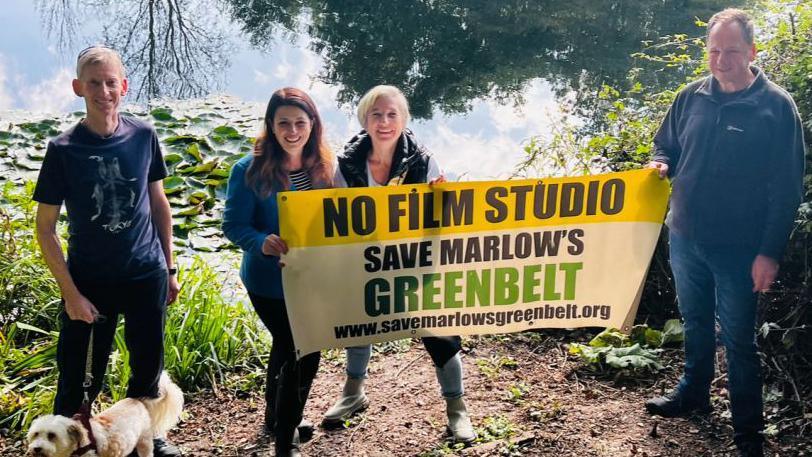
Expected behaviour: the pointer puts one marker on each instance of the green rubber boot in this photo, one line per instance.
(353, 399)
(459, 424)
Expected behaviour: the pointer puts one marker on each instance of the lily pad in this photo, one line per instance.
(208, 232)
(162, 114)
(196, 183)
(203, 168)
(180, 139)
(194, 151)
(219, 173)
(171, 159)
(193, 211)
(174, 185)
(225, 133)
(26, 164)
(173, 182)
(215, 182)
(197, 197)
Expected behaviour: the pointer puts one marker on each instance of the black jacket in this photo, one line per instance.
(737, 167)
(410, 164)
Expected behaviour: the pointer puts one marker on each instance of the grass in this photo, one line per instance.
(28, 293)
(207, 337)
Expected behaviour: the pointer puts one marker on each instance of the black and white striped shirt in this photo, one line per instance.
(300, 180)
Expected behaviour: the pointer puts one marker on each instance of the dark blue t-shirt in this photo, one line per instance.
(104, 184)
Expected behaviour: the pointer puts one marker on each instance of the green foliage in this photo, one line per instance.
(498, 428)
(28, 306)
(517, 392)
(492, 366)
(444, 449)
(786, 312)
(393, 347)
(635, 353)
(672, 332)
(634, 357)
(206, 337)
(546, 412)
(789, 59)
(624, 141)
(28, 293)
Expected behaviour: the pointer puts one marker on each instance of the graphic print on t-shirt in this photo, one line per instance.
(113, 194)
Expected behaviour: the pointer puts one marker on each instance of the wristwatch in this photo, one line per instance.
(173, 271)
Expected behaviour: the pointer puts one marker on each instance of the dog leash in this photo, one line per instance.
(83, 415)
(88, 371)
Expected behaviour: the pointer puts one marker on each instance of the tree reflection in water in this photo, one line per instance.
(60, 21)
(443, 53)
(447, 53)
(171, 48)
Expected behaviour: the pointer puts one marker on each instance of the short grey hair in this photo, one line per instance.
(734, 15)
(97, 54)
(368, 101)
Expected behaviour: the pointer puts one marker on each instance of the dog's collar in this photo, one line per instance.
(83, 416)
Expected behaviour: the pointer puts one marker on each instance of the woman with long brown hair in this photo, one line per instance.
(289, 154)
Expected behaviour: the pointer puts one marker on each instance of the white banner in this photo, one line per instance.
(377, 264)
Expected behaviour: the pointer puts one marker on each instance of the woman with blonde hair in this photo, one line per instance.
(289, 154)
(384, 153)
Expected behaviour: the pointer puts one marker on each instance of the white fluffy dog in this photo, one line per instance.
(128, 425)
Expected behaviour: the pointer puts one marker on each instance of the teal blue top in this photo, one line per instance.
(247, 220)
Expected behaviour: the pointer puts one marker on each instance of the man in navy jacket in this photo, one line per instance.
(733, 145)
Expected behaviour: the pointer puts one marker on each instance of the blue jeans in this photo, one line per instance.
(449, 376)
(716, 281)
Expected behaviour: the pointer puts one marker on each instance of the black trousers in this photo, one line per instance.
(442, 348)
(289, 380)
(142, 302)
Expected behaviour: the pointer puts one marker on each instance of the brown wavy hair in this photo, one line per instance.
(268, 171)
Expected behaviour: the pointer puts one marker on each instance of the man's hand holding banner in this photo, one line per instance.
(377, 264)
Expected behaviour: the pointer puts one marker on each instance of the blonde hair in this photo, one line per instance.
(98, 54)
(369, 99)
(734, 15)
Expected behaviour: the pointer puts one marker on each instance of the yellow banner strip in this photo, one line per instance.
(343, 216)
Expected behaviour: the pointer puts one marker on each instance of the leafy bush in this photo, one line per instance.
(635, 353)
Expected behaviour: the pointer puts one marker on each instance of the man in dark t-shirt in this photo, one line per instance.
(108, 171)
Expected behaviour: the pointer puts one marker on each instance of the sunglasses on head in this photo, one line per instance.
(89, 48)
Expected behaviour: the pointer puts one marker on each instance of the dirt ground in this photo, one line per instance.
(524, 389)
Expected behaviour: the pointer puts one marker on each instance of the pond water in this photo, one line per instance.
(482, 76)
